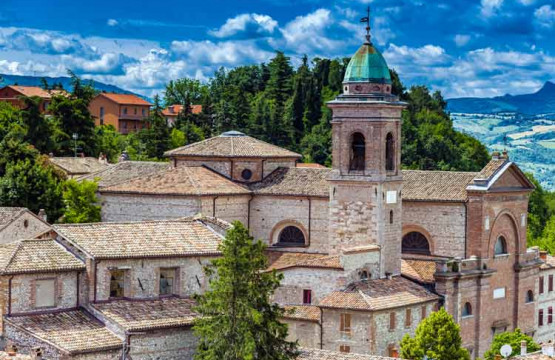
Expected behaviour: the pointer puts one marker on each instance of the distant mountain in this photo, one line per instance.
(64, 80)
(540, 102)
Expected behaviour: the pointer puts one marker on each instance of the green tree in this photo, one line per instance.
(157, 136)
(177, 138)
(185, 91)
(511, 338)
(81, 202)
(39, 131)
(437, 337)
(237, 318)
(538, 211)
(13, 148)
(109, 142)
(32, 184)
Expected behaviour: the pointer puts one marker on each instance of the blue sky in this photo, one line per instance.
(461, 47)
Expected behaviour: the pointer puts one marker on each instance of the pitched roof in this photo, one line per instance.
(32, 256)
(75, 331)
(491, 168)
(181, 181)
(419, 270)
(317, 354)
(124, 171)
(294, 181)
(125, 99)
(287, 260)
(548, 263)
(78, 165)
(167, 238)
(310, 165)
(9, 214)
(174, 110)
(149, 314)
(493, 171)
(302, 312)
(419, 185)
(232, 144)
(33, 91)
(379, 294)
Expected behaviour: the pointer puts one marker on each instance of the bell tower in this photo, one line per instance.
(366, 180)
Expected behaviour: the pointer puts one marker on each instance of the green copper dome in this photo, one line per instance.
(368, 65)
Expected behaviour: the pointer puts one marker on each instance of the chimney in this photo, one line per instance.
(42, 215)
(36, 353)
(505, 155)
(523, 348)
(543, 255)
(11, 349)
(495, 155)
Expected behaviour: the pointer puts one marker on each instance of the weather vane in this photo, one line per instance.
(366, 20)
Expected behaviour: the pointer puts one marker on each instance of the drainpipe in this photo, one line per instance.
(309, 219)
(214, 206)
(10, 295)
(77, 298)
(321, 328)
(231, 169)
(249, 213)
(95, 278)
(262, 175)
(465, 230)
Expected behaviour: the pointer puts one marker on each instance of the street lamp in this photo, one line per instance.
(75, 136)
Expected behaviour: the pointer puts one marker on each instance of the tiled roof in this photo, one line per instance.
(176, 109)
(183, 180)
(316, 354)
(36, 91)
(75, 331)
(548, 263)
(491, 168)
(419, 270)
(534, 356)
(5, 356)
(232, 144)
(168, 238)
(124, 171)
(125, 99)
(290, 260)
(32, 256)
(379, 294)
(9, 214)
(78, 165)
(149, 314)
(421, 185)
(294, 181)
(310, 165)
(302, 312)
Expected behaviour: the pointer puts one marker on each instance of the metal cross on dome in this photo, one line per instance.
(366, 20)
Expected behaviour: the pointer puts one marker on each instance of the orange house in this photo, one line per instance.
(126, 112)
(171, 112)
(12, 94)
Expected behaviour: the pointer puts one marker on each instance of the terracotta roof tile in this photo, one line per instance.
(548, 263)
(294, 181)
(302, 312)
(174, 110)
(311, 165)
(491, 168)
(125, 171)
(9, 214)
(35, 91)
(169, 238)
(32, 256)
(78, 165)
(232, 144)
(379, 294)
(125, 99)
(290, 260)
(183, 180)
(74, 331)
(149, 314)
(420, 270)
(436, 185)
(316, 354)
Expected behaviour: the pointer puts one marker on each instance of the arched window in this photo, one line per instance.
(415, 243)
(466, 310)
(364, 275)
(529, 296)
(500, 246)
(358, 152)
(389, 152)
(292, 236)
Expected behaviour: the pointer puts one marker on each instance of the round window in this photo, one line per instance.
(246, 174)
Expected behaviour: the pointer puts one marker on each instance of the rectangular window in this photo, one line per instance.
(45, 293)
(541, 284)
(550, 283)
(101, 115)
(408, 318)
(486, 225)
(117, 283)
(550, 315)
(345, 324)
(144, 112)
(124, 111)
(392, 321)
(167, 281)
(307, 297)
(424, 312)
(135, 111)
(540, 317)
(345, 349)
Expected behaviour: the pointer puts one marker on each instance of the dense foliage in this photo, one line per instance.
(81, 202)
(541, 218)
(511, 338)
(238, 320)
(437, 337)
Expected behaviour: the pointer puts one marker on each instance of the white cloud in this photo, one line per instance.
(545, 15)
(251, 24)
(527, 2)
(489, 7)
(427, 55)
(112, 22)
(233, 52)
(461, 39)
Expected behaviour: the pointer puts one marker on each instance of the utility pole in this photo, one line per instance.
(75, 136)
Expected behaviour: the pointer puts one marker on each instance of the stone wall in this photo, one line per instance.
(170, 344)
(222, 166)
(544, 302)
(320, 281)
(142, 276)
(359, 339)
(307, 333)
(26, 226)
(228, 208)
(443, 224)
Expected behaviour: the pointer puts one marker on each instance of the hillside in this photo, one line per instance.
(26, 80)
(540, 102)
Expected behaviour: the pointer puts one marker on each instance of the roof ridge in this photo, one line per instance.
(179, 220)
(12, 256)
(191, 180)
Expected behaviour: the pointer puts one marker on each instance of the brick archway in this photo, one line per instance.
(416, 228)
(274, 235)
(505, 225)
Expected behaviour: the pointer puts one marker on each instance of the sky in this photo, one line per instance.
(460, 47)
